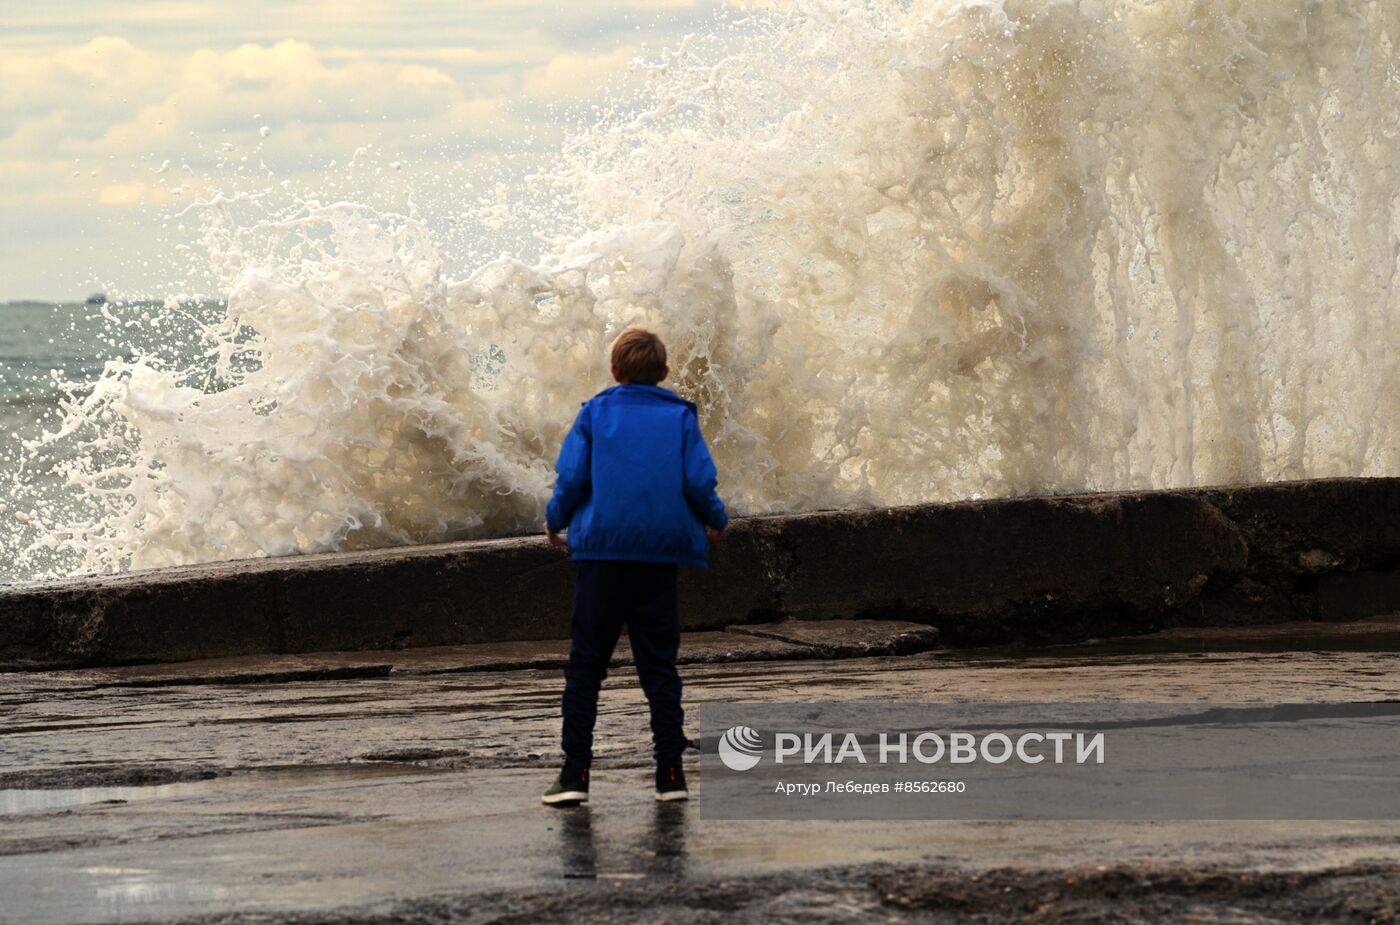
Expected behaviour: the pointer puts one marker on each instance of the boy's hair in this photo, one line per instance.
(639, 357)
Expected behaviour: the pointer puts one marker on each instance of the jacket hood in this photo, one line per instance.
(653, 390)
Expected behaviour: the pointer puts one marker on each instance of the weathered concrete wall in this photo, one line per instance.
(1025, 570)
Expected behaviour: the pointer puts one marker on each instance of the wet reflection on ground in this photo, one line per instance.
(659, 850)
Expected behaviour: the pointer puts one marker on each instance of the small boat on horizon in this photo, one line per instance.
(97, 298)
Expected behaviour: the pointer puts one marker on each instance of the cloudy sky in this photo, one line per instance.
(111, 112)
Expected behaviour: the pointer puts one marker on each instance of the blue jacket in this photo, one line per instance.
(636, 481)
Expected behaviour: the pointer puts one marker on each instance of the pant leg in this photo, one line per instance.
(599, 611)
(654, 627)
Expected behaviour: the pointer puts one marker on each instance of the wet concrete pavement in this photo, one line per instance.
(383, 786)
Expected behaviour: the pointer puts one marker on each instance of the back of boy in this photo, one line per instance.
(636, 492)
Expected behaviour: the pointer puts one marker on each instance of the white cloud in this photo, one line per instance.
(132, 194)
(572, 76)
(439, 86)
(110, 98)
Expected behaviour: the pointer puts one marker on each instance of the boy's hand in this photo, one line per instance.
(555, 539)
(713, 534)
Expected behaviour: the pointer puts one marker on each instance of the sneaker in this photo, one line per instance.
(570, 789)
(670, 784)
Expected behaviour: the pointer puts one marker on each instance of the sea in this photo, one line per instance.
(900, 252)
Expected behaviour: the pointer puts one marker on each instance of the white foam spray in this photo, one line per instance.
(900, 252)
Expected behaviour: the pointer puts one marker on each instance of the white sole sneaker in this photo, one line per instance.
(670, 795)
(565, 798)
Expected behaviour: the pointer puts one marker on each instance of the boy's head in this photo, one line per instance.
(639, 358)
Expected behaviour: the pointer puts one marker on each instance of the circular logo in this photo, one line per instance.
(740, 748)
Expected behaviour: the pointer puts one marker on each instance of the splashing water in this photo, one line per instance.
(900, 252)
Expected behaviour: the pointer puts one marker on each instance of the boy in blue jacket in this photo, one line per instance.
(636, 491)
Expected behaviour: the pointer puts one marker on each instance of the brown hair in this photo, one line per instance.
(639, 357)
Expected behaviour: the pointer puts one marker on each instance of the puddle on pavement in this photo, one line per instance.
(16, 801)
(121, 888)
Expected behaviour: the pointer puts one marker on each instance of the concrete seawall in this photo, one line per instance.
(1012, 571)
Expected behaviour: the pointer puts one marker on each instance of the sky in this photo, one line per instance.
(114, 113)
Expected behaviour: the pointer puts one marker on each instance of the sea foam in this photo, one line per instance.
(899, 252)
